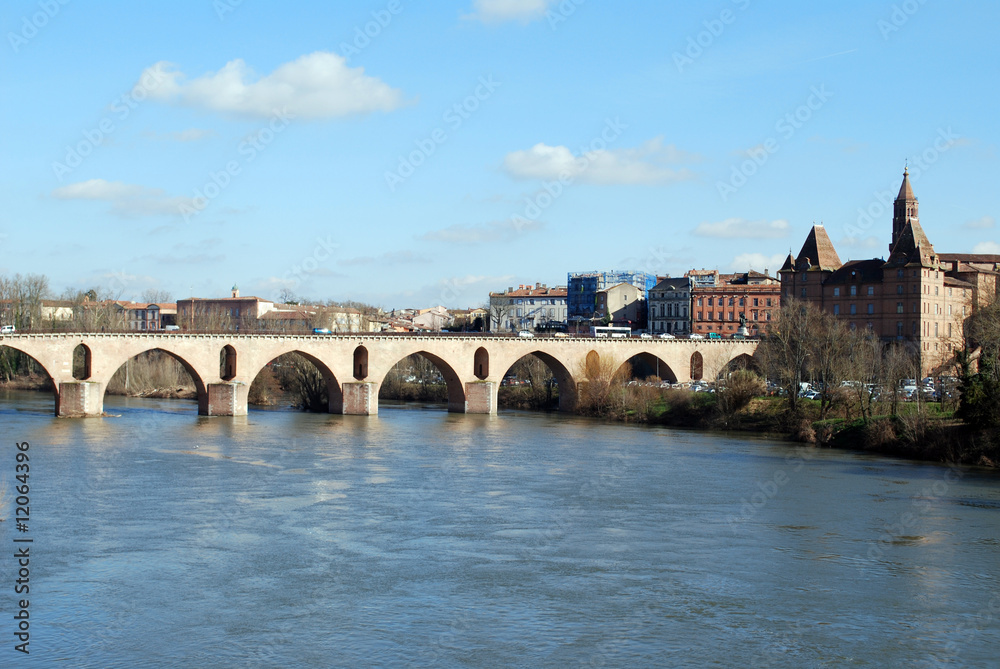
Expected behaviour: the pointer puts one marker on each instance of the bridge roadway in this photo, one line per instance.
(354, 365)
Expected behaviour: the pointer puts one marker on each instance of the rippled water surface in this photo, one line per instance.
(416, 537)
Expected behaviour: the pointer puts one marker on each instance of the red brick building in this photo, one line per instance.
(917, 296)
(719, 300)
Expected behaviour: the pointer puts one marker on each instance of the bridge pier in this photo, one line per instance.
(224, 399)
(360, 398)
(481, 397)
(80, 399)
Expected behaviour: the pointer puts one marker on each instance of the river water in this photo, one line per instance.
(421, 538)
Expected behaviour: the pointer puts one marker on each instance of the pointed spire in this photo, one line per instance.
(905, 190)
(819, 251)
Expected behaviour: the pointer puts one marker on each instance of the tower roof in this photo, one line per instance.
(789, 264)
(819, 251)
(912, 246)
(905, 190)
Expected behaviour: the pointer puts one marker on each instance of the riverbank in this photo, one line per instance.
(919, 432)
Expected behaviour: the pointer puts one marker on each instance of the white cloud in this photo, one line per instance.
(986, 247)
(984, 223)
(495, 231)
(642, 165)
(317, 85)
(500, 11)
(758, 261)
(127, 199)
(740, 228)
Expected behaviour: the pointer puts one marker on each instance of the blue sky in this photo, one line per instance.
(409, 154)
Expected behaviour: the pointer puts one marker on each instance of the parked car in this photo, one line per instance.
(695, 336)
(645, 335)
(526, 334)
(561, 335)
(7, 329)
(667, 335)
(321, 330)
(171, 328)
(714, 335)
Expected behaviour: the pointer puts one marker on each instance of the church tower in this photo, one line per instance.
(904, 208)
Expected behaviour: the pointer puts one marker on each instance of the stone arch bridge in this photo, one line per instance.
(224, 365)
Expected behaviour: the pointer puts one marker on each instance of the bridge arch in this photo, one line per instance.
(82, 362)
(361, 363)
(453, 383)
(112, 369)
(227, 363)
(644, 365)
(335, 393)
(6, 370)
(481, 363)
(697, 366)
(564, 378)
(742, 361)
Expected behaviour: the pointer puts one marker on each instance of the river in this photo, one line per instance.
(421, 538)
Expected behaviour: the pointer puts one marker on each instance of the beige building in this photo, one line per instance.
(624, 304)
(916, 296)
(528, 307)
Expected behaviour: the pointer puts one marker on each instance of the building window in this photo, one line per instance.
(949, 292)
(871, 290)
(899, 328)
(935, 329)
(871, 308)
(756, 302)
(836, 310)
(710, 301)
(836, 292)
(803, 291)
(899, 307)
(699, 304)
(741, 301)
(854, 308)
(914, 323)
(899, 289)
(769, 301)
(854, 291)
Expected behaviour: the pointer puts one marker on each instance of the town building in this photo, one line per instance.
(528, 307)
(722, 302)
(582, 289)
(622, 305)
(916, 296)
(669, 306)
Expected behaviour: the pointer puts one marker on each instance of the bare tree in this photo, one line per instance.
(785, 349)
(156, 296)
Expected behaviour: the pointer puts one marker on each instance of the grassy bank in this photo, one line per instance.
(925, 431)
